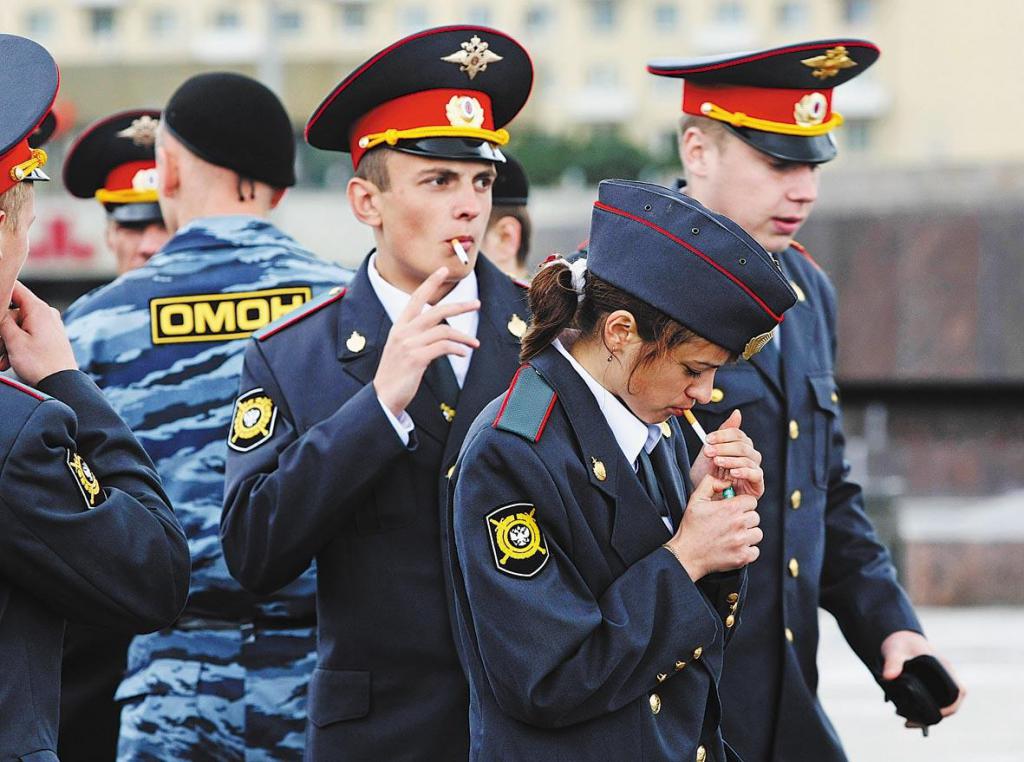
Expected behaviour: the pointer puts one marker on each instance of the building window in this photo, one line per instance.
(480, 15)
(602, 76)
(666, 17)
(39, 23)
(353, 16)
(162, 22)
(289, 21)
(792, 14)
(102, 22)
(414, 18)
(227, 19)
(857, 134)
(729, 13)
(857, 11)
(603, 14)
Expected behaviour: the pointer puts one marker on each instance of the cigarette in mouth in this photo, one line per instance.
(459, 251)
(703, 437)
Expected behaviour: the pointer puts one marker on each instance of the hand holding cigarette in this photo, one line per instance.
(728, 454)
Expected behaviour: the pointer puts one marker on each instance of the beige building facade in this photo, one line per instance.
(948, 71)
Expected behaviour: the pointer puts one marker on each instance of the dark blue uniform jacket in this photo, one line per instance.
(608, 650)
(86, 534)
(819, 548)
(334, 482)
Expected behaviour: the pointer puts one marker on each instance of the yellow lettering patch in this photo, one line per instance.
(219, 317)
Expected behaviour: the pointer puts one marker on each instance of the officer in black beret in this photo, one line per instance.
(756, 129)
(595, 587)
(507, 240)
(88, 532)
(114, 162)
(373, 390)
(229, 679)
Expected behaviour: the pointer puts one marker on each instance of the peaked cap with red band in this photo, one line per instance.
(779, 100)
(699, 268)
(445, 92)
(28, 85)
(114, 161)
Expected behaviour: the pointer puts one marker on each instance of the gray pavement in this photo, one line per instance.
(986, 647)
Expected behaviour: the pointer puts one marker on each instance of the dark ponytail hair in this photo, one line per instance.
(555, 306)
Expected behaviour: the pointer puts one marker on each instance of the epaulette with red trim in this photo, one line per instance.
(300, 314)
(527, 405)
(25, 389)
(807, 255)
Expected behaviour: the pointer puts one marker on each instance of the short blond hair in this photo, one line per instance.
(373, 167)
(12, 201)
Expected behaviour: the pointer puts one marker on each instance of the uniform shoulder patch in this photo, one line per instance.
(517, 542)
(803, 251)
(86, 480)
(311, 307)
(253, 420)
(527, 405)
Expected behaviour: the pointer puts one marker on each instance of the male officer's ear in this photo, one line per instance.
(697, 149)
(364, 198)
(168, 171)
(276, 196)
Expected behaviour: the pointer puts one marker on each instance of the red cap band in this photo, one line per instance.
(122, 177)
(17, 155)
(801, 107)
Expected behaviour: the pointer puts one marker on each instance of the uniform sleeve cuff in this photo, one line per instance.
(402, 424)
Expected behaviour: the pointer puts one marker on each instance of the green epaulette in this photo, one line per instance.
(527, 405)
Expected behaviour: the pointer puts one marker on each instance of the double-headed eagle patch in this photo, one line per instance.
(253, 421)
(86, 480)
(519, 547)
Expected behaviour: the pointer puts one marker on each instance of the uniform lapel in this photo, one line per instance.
(670, 477)
(637, 529)
(798, 331)
(494, 363)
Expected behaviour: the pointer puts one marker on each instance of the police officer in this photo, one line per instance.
(165, 343)
(88, 533)
(113, 161)
(594, 589)
(509, 229)
(756, 129)
(352, 413)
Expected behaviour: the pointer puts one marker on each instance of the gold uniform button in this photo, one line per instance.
(697, 652)
(730, 620)
(680, 665)
(789, 635)
(702, 754)
(794, 568)
(835, 397)
(717, 395)
(795, 498)
(794, 430)
(655, 703)
(732, 597)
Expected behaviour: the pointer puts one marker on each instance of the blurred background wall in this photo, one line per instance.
(919, 220)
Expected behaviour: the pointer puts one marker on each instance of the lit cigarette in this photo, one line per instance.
(459, 251)
(703, 437)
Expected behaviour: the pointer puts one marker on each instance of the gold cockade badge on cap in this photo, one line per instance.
(475, 56)
(829, 64)
(464, 111)
(810, 110)
(757, 343)
(142, 131)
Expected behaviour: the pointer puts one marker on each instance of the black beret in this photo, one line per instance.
(234, 121)
(699, 268)
(511, 187)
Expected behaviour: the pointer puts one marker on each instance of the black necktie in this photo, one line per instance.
(645, 471)
(441, 378)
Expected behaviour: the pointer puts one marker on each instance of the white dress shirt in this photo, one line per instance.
(394, 301)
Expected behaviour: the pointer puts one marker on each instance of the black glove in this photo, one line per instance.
(922, 689)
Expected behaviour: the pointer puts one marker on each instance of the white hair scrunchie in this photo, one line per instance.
(578, 268)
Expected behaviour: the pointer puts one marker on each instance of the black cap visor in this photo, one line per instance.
(135, 214)
(462, 149)
(815, 149)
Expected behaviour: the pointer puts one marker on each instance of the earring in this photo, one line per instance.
(609, 358)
